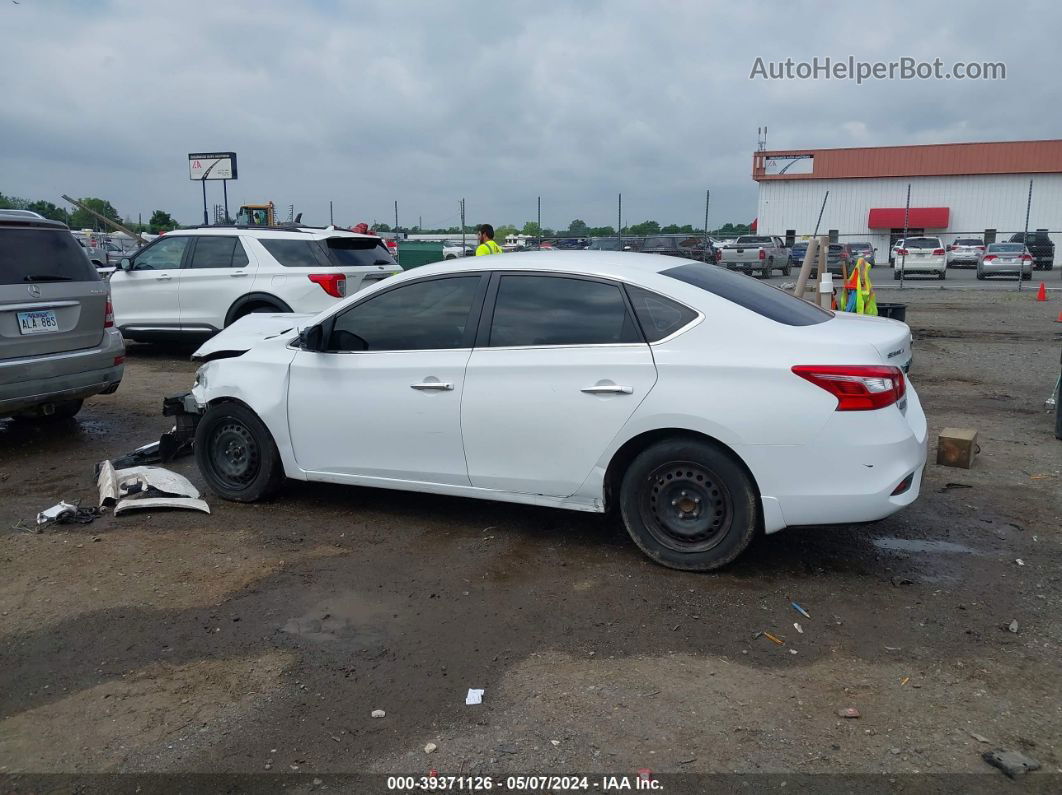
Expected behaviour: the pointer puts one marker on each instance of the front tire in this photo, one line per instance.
(688, 505)
(236, 453)
(788, 267)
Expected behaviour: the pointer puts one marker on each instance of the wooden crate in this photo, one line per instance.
(957, 447)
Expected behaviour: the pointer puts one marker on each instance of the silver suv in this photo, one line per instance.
(58, 344)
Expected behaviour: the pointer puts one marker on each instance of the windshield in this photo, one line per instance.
(42, 255)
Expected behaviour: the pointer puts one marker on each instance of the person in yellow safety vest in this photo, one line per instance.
(486, 242)
(858, 293)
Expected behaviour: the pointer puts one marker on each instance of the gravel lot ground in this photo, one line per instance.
(260, 638)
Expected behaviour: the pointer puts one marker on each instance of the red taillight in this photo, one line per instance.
(718, 255)
(118, 360)
(763, 254)
(335, 284)
(980, 248)
(1026, 257)
(990, 257)
(952, 248)
(857, 387)
(108, 314)
(938, 252)
(901, 252)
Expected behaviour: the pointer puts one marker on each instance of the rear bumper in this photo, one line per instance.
(848, 473)
(36, 380)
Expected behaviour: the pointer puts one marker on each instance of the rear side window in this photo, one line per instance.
(658, 316)
(295, 253)
(358, 251)
(552, 310)
(42, 255)
(218, 252)
(751, 294)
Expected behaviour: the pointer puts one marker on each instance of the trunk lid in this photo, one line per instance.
(51, 298)
(890, 338)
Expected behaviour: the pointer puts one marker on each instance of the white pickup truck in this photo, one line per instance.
(751, 253)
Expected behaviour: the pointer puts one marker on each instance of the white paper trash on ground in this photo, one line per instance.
(474, 697)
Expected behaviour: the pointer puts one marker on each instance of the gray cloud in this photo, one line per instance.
(364, 103)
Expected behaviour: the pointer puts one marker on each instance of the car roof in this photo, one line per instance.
(271, 233)
(621, 265)
(17, 219)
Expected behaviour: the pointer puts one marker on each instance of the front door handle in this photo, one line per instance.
(608, 389)
(163, 278)
(237, 275)
(428, 386)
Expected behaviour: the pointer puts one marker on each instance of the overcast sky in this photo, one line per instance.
(367, 102)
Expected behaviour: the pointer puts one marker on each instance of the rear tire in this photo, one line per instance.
(236, 453)
(943, 275)
(980, 276)
(688, 505)
(896, 275)
(787, 268)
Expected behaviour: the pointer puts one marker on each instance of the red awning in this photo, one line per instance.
(752, 226)
(917, 218)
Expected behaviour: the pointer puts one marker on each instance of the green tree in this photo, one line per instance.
(79, 219)
(502, 232)
(531, 228)
(381, 227)
(578, 227)
(601, 231)
(12, 203)
(49, 210)
(161, 221)
(644, 228)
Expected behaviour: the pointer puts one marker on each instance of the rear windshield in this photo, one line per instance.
(750, 293)
(860, 246)
(1007, 247)
(922, 242)
(606, 245)
(42, 255)
(658, 242)
(754, 241)
(969, 241)
(358, 251)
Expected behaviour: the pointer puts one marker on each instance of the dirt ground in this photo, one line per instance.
(259, 639)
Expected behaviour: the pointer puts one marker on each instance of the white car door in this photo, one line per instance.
(217, 272)
(383, 400)
(146, 296)
(563, 368)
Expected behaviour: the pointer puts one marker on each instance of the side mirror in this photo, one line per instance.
(125, 264)
(311, 339)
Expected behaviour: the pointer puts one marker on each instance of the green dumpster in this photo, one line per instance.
(414, 253)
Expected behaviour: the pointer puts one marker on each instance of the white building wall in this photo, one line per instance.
(976, 203)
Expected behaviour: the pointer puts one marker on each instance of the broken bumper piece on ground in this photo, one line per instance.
(173, 444)
(144, 488)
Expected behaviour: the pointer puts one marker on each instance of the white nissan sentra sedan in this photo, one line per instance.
(701, 404)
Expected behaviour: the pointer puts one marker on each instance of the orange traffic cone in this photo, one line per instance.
(1059, 318)
(1041, 294)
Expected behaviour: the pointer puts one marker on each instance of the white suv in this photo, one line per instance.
(921, 255)
(197, 281)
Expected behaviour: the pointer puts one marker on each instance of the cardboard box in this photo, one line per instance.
(957, 447)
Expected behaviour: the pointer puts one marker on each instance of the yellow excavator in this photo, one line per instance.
(257, 215)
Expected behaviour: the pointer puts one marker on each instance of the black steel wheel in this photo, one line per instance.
(688, 504)
(236, 453)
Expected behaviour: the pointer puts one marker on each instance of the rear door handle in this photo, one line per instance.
(428, 386)
(608, 389)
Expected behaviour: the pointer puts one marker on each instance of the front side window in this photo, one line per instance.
(218, 252)
(554, 310)
(162, 255)
(429, 315)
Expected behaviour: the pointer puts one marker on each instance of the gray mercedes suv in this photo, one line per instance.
(58, 344)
